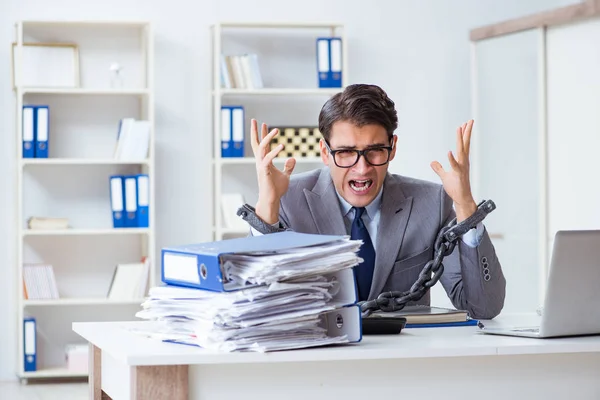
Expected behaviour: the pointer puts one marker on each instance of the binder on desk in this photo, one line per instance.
(28, 131)
(470, 322)
(329, 62)
(202, 266)
(339, 322)
(42, 129)
(29, 344)
(131, 201)
(143, 200)
(117, 201)
(232, 131)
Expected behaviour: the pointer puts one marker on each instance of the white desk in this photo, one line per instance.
(444, 363)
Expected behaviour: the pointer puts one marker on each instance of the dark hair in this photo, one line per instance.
(359, 104)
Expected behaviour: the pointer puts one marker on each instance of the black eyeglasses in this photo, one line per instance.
(346, 158)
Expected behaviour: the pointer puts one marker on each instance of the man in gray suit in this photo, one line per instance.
(398, 218)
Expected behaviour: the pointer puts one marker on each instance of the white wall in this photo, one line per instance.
(417, 50)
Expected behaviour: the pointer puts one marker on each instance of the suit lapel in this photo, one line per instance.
(324, 206)
(394, 215)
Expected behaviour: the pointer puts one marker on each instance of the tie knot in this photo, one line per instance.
(358, 212)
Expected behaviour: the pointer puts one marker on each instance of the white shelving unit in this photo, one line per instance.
(73, 182)
(295, 45)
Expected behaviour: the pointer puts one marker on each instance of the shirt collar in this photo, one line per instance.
(371, 208)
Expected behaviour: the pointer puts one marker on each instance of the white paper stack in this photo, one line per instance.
(281, 299)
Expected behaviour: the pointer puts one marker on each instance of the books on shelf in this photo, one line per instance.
(129, 281)
(240, 72)
(39, 282)
(133, 140)
(50, 223)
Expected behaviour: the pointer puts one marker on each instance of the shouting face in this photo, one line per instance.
(358, 158)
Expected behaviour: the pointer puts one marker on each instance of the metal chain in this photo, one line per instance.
(433, 270)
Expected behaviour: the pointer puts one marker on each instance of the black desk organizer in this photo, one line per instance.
(383, 326)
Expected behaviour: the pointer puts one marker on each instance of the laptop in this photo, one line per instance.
(572, 302)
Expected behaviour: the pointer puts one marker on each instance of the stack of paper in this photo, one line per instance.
(274, 292)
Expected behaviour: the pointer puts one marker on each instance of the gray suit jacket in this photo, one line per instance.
(412, 213)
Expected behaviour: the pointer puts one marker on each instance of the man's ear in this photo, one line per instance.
(394, 145)
(324, 152)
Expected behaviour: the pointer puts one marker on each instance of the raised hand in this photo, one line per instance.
(456, 181)
(272, 183)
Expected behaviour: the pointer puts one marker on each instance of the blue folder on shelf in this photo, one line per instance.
(131, 201)
(42, 129)
(232, 131)
(28, 131)
(29, 344)
(117, 201)
(143, 200)
(200, 265)
(329, 62)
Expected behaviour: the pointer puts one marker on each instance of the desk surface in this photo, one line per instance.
(133, 349)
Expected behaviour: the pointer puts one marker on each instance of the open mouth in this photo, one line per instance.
(361, 185)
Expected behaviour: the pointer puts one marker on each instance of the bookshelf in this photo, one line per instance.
(73, 181)
(290, 96)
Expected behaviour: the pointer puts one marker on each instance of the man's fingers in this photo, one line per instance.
(453, 163)
(254, 134)
(268, 158)
(467, 138)
(437, 168)
(263, 132)
(265, 144)
(289, 165)
(459, 143)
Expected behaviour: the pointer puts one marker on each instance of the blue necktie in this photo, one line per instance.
(363, 271)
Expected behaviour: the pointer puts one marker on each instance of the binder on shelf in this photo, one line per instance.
(131, 201)
(29, 344)
(232, 131)
(117, 200)
(28, 131)
(143, 200)
(42, 128)
(335, 59)
(329, 62)
(226, 132)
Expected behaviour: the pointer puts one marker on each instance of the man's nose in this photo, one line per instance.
(362, 165)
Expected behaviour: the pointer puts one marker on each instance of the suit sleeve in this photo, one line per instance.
(473, 277)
